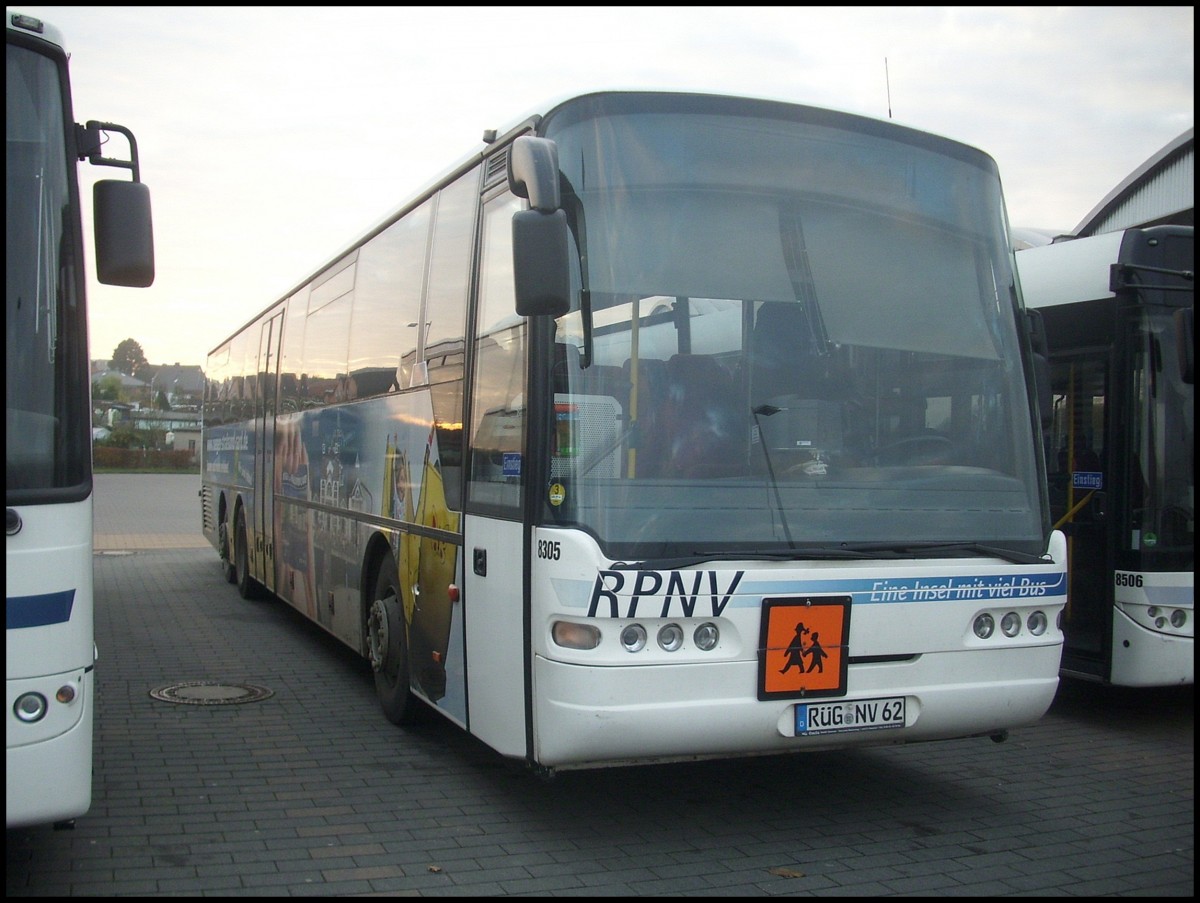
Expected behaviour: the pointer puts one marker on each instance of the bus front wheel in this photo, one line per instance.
(387, 645)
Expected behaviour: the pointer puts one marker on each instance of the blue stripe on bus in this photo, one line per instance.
(38, 611)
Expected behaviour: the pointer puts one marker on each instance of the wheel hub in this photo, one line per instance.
(378, 634)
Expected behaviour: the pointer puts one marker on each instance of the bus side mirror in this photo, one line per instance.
(541, 273)
(1185, 343)
(124, 234)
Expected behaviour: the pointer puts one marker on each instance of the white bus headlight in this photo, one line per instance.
(1178, 618)
(670, 637)
(30, 707)
(1010, 624)
(706, 637)
(984, 626)
(1037, 623)
(633, 638)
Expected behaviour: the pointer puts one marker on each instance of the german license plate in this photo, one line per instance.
(849, 715)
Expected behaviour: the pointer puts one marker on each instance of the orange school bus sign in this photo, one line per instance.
(803, 647)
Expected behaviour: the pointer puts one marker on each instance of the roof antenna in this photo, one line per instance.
(887, 79)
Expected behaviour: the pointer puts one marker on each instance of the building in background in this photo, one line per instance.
(162, 403)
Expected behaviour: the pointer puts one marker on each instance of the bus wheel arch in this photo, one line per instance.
(387, 643)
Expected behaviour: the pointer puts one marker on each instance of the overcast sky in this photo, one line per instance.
(271, 138)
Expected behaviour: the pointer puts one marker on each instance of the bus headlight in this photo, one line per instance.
(30, 707)
(575, 636)
(984, 626)
(1010, 624)
(670, 637)
(1037, 623)
(633, 638)
(706, 637)
(1178, 618)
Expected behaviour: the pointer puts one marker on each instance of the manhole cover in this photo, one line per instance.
(205, 692)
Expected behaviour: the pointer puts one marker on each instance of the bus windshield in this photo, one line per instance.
(44, 354)
(785, 330)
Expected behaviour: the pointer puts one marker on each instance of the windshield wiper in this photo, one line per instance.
(793, 554)
(767, 410)
(933, 549)
(846, 551)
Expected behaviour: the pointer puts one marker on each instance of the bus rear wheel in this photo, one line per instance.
(387, 645)
(248, 587)
(228, 568)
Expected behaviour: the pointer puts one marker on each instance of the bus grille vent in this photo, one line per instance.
(497, 169)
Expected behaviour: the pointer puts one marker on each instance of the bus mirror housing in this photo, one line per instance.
(533, 172)
(1185, 343)
(123, 232)
(541, 273)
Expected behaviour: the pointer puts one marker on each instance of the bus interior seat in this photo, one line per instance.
(783, 359)
(649, 439)
(704, 425)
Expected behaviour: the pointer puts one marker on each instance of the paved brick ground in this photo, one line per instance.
(312, 792)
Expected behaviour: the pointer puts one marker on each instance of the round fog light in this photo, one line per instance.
(670, 637)
(984, 625)
(30, 707)
(1037, 623)
(1178, 617)
(1010, 624)
(706, 637)
(633, 638)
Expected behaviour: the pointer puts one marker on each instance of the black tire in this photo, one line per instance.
(228, 568)
(387, 645)
(248, 587)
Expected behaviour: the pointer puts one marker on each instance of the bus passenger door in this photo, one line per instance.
(264, 437)
(494, 567)
(1079, 490)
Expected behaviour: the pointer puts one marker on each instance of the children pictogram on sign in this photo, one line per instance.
(795, 651)
(818, 654)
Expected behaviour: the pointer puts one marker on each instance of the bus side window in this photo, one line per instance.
(498, 386)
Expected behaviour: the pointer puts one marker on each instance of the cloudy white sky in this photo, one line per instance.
(272, 137)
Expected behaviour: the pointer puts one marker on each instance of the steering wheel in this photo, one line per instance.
(927, 448)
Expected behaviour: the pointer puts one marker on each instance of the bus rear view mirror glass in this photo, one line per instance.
(124, 236)
(541, 272)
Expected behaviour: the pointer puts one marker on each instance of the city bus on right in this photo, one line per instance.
(1118, 313)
